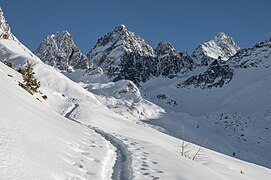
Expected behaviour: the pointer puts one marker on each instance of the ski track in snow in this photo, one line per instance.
(122, 169)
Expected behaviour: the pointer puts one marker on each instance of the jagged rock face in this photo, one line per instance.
(221, 47)
(5, 30)
(59, 51)
(188, 61)
(119, 52)
(136, 68)
(97, 71)
(216, 75)
(256, 56)
(170, 62)
(122, 55)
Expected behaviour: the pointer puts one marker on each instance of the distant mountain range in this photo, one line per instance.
(129, 105)
(123, 55)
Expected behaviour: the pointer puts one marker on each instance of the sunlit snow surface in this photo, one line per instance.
(38, 142)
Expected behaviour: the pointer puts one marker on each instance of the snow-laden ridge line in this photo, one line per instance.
(122, 169)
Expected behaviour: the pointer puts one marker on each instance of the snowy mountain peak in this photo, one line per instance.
(5, 30)
(221, 47)
(122, 39)
(227, 45)
(123, 55)
(267, 42)
(221, 36)
(165, 46)
(60, 51)
(121, 28)
(114, 52)
(62, 34)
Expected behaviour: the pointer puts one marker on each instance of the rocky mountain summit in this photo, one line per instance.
(5, 30)
(215, 55)
(170, 62)
(60, 51)
(222, 47)
(123, 55)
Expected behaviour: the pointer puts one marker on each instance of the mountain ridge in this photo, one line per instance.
(60, 51)
(220, 47)
(57, 136)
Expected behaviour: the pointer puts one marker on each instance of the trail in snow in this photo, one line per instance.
(70, 111)
(122, 169)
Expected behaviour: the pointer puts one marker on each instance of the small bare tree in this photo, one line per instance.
(193, 152)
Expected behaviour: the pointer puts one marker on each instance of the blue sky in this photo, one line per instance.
(183, 23)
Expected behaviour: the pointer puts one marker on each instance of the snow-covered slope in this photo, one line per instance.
(59, 51)
(70, 134)
(36, 142)
(231, 96)
(221, 47)
(239, 109)
(257, 56)
(6, 33)
(122, 97)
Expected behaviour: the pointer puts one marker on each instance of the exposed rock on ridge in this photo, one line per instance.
(59, 51)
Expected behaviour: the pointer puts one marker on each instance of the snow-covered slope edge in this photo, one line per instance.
(38, 143)
(240, 110)
(122, 97)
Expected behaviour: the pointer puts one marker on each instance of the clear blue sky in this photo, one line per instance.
(183, 23)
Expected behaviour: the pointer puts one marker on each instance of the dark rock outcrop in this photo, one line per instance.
(216, 75)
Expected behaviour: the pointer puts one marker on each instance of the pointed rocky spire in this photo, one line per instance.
(121, 28)
(60, 51)
(119, 51)
(221, 47)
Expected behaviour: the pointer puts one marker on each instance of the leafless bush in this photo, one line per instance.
(193, 152)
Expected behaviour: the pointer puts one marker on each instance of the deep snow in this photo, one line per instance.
(38, 142)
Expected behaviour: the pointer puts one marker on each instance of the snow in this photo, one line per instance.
(222, 46)
(234, 118)
(37, 141)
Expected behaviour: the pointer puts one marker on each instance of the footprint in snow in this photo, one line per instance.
(145, 174)
(90, 173)
(157, 171)
(145, 165)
